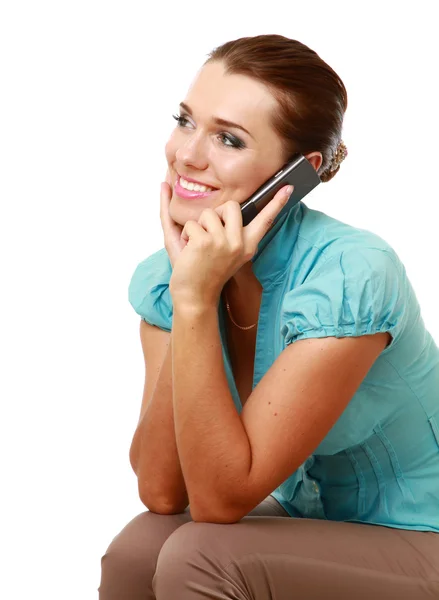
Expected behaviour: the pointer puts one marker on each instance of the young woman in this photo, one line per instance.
(288, 441)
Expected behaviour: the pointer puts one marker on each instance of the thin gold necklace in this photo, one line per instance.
(230, 315)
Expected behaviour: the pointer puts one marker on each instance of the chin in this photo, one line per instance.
(181, 213)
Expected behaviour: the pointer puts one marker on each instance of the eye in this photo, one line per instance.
(181, 120)
(233, 142)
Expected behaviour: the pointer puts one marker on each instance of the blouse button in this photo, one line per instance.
(315, 486)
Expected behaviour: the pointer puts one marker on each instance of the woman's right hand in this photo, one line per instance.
(171, 230)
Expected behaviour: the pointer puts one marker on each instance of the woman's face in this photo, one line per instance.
(224, 157)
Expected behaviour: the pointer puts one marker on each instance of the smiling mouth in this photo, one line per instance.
(193, 186)
(191, 194)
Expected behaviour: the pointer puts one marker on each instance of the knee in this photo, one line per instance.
(137, 538)
(124, 574)
(130, 559)
(188, 548)
(189, 539)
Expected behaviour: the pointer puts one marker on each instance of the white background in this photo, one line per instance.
(87, 93)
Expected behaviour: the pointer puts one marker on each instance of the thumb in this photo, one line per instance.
(171, 229)
(165, 201)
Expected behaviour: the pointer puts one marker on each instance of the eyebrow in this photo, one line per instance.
(218, 121)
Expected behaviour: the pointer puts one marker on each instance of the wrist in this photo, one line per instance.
(194, 307)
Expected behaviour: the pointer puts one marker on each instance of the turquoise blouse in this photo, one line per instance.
(321, 277)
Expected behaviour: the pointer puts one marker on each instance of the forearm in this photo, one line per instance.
(157, 464)
(214, 449)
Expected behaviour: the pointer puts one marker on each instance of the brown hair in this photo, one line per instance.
(311, 96)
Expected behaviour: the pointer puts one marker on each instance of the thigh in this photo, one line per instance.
(259, 558)
(128, 565)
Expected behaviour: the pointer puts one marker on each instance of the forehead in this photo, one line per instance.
(236, 98)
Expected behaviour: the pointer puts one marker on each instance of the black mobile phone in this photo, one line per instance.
(298, 172)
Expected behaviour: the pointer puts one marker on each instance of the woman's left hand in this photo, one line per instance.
(215, 251)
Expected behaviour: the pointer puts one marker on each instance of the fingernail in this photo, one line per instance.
(289, 190)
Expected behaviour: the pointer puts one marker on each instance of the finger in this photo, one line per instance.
(165, 201)
(230, 213)
(193, 232)
(211, 222)
(259, 226)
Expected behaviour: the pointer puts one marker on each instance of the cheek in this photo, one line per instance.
(242, 177)
(170, 150)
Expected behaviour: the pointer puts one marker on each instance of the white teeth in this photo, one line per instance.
(194, 186)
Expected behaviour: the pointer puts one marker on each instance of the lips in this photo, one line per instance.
(190, 194)
(195, 181)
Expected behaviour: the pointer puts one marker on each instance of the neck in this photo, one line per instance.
(243, 292)
(239, 283)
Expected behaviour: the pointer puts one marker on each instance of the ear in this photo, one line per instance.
(316, 159)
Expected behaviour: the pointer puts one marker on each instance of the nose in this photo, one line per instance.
(192, 152)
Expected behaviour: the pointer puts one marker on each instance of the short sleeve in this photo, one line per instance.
(360, 291)
(148, 291)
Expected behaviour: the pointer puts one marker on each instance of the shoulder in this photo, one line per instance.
(323, 241)
(343, 281)
(331, 236)
(148, 290)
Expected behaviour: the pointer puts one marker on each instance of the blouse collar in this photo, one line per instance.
(275, 248)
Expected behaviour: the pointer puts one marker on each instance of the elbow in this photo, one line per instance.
(211, 514)
(220, 517)
(161, 506)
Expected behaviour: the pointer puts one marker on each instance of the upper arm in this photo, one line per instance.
(155, 343)
(295, 405)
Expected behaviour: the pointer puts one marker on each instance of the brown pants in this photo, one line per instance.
(268, 555)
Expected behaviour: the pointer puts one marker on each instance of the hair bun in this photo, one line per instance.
(339, 156)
